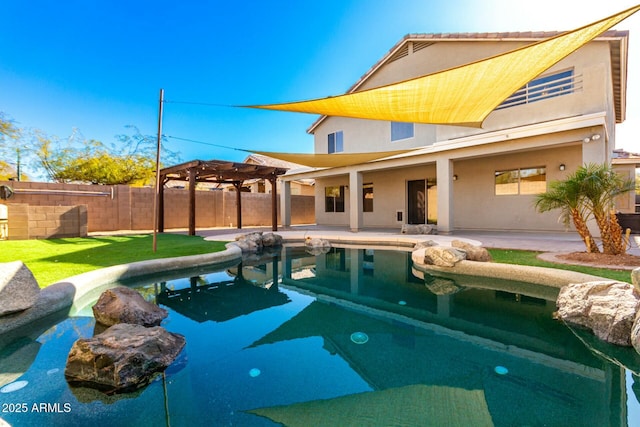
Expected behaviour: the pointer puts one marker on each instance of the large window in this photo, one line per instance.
(401, 130)
(521, 181)
(334, 199)
(544, 87)
(335, 142)
(367, 197)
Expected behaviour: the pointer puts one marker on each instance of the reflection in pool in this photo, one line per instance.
(350, 337)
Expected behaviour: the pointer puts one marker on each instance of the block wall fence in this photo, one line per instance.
(44, 210)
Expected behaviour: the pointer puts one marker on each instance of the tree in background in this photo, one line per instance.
(10, 149)
(590, 192)
(129, 161)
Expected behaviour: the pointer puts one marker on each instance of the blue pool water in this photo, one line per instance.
(351, 337)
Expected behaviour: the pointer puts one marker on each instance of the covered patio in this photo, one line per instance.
(219, 172)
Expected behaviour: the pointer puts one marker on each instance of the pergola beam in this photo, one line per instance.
(222, 172)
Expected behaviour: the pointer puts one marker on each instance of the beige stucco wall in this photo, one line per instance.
(591, 65)
(546, 133)
(476, 206)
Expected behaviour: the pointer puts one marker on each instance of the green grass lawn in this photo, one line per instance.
(508, 256)
(55, 259)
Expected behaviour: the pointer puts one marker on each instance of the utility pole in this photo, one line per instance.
(157, 188)
(18, 163)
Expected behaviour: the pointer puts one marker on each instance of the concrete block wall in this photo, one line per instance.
(45, 222)
(120, 207)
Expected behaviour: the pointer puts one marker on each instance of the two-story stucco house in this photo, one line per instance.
(470, 178)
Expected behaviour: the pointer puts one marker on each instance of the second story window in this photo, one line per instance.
(544, 87)
(401, 130)
(335, 142)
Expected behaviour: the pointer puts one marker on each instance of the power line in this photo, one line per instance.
(207, 104)
(207, 143)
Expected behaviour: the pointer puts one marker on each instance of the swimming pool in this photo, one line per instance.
(350, 337)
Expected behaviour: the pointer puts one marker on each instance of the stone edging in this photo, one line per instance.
(66, 293)
(539, 275)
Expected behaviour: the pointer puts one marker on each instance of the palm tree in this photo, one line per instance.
(600, 186)
(590, 191)
(567, 196)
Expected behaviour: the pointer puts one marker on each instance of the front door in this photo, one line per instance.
(417, 201)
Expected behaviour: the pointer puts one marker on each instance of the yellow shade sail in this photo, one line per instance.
(330, 160)
(459, 96)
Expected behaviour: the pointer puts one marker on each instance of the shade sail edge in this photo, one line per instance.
(331, 160)
(461, 96)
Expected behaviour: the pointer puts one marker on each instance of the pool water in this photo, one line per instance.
(350, 337)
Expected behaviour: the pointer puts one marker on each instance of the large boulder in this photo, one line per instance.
(250, 242)
(605, 307)
(125, 305)
(635, 333)
(418, 229)
(474, 253)
(316, 246)
(443, 256)
(123, 358)
(271, 240)
(19, 290)
(635, 278)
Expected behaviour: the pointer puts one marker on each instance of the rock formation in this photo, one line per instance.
(316, 246)
(418, 229)
(123, 358)
(607, 308)
(474, 253)
(125, 305)
(254, 242)
(19, 290)
(443, 256)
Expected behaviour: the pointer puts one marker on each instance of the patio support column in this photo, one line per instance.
(285, 204)
(238, 186)
(355, 201)
(444, 174)
(192, 201)
(274, 203)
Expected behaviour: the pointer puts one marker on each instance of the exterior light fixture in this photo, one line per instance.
(455, 177)
(562, 166)
(593, 137)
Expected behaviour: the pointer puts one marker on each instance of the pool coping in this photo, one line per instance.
(66, 293)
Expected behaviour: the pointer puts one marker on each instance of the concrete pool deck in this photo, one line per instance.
(533, 241)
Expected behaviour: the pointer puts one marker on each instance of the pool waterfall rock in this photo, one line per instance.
(125, 305)
(473, 252)
(126, 355)
(316, 246)
(19, 289)
(255, 242)
(123, 358)
(443, 256)
(608, 308)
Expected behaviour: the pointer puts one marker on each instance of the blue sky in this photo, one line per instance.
(98, 65)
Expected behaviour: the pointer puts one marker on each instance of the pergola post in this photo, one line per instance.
(238, 186)
(192, 201)
(274, 204)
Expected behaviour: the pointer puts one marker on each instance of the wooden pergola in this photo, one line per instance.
(217, 171)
